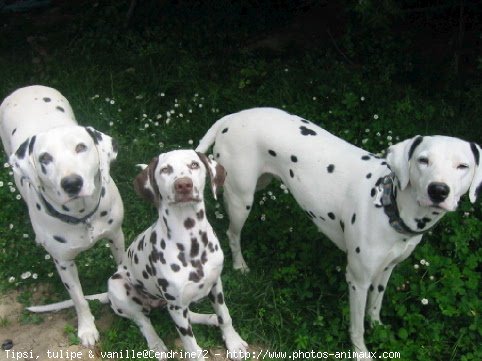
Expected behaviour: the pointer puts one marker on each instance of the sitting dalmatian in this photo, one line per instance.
(178, 260)
(376, 210)
(62, 172)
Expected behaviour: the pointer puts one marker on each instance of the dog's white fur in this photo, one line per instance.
(47, 148)
(336, 184)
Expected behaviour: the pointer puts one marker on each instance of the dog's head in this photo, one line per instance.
(65, 163)
(439, 169)
(178, 177)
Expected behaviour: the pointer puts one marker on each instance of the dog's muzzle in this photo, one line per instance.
(183, 190)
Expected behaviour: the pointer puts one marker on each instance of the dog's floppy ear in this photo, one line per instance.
(216, 171)
(145, 184)
(476, 185)
(107, 149)
(398, 157)
(23, 163)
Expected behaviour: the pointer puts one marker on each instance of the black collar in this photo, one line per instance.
(51, 211)
(390, 207)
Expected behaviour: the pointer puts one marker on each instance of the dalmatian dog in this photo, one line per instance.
(376, 210)
(178, 260)
(62, 172)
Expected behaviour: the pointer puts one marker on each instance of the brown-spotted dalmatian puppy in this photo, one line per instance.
(178, 260)
(62, 172)
(374, 211)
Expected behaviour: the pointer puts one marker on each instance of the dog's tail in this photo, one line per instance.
(210, 137)
(102, 297)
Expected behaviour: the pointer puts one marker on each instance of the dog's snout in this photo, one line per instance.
(438, 191)
(72, 184)
(183, 185)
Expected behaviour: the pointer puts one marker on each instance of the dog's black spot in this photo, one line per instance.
(204, 238)
(307, 131)
(102, 191)
(175, 267)
(65, 208)
(66, 285)
(95, 135)
(103, 213)
(13, 131)
(365, 157)
(383, 163)
(181, 256)
(169, 297)
(145, 275)
(200, 214)
(292, 174)
(331, 215)
(220, 298)
(140, 245)
(272, 152)
(371, 288)
(110, 221)
(353, 288)
(211, 297)
(218, 155)
(127, 287)
(225, 130)
(435, 213)
(414, 145)
(163, 283)
(193, 276)
(294, 158)
(185, 331)
(304, 121)
(369, 175)
(184, 313)
(373, 192)
(330, 168)
(38, 206)
(204, 257)
(189, 223)
(194, 247)
(357, 250)
(163, 244)
(353, 218)
(248, 208)
(31, 144)
(116, 276)
(60, 239)
(167, 211)
(381, 288)
(153, 237)
(137, 300)
(22, 149)
(474, 149)
(47, 100)
(60, 109)
(342, 225)
(119, 311)
(180, 247)
(136, 259)
(220, 320)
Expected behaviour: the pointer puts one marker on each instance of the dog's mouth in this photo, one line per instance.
(443, 206)
(185, 198)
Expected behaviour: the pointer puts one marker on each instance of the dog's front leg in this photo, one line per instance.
(236, 346)
(183, 326)
(87, 331)
(117, 245)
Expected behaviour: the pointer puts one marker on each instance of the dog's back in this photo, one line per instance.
(31, 110)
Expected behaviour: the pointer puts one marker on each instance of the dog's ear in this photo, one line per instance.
(216, 171)
(399, 156)
(145, 184)
(476, 185)
(107, 149)
(23, 164)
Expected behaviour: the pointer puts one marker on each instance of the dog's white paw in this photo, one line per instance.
(236, 346)
(241, 266)
(161, 350)
(88, 335)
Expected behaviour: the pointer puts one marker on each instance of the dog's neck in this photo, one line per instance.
(177, 220)
(419, 219)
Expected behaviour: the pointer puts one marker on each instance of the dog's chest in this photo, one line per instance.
(181, 269)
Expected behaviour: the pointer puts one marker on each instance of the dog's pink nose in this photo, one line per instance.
(183, 185)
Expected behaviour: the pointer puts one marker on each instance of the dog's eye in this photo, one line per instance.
(194, 165)
(423, 160)
(45, 158)
(166, 170)
(81, 147)
(463, 166)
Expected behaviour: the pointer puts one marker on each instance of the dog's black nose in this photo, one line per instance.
(438, 191)
(72, 184)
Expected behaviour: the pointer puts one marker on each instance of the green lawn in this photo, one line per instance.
(160, 84)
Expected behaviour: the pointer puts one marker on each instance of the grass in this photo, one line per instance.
(160, 86)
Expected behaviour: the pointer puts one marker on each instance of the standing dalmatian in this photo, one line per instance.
(375, 212)
(178, 259)
(62, 172)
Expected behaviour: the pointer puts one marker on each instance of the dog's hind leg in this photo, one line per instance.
(128, 303)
